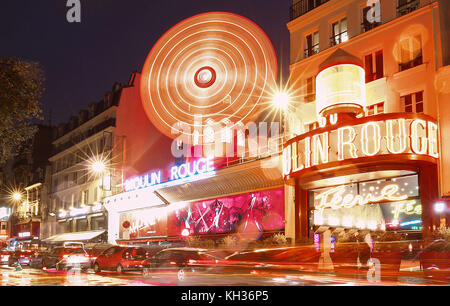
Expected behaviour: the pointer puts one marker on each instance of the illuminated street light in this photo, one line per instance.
(439, 207)
(17, 196)
(281, 100)
(98, 167)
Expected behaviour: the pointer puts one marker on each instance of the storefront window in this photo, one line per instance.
(98, 223)
(82, 225)
(383, 204)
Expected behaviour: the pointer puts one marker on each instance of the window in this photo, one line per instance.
(407, 6)
(69, 227)
(374, 66)
(393, 215)
(413, 103)
(53, 208)
(375, 109)
(97, 194)
(82, 225)
(410, 53)
(339, 32)
(66, 181)
(98, 223)
(371, 17)
(63, 203)
(312, 44)
(84, 197)
(55, 184)
(112, 250)
(310, 89)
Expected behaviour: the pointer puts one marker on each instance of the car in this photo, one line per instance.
(4, 257)
(36, 259)
(21, 257)
(51, 258)
(122, 258)
(192, 259)
(77, 258)
(303, 258)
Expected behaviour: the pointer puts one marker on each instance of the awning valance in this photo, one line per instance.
(246, 177)
(78, 236)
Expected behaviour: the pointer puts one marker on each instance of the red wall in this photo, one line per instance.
(146, 148)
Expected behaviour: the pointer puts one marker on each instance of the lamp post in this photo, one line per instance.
(281, 102)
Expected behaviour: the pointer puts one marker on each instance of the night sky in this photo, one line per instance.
(83, 60)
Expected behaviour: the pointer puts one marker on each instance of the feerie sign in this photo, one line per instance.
(374, 138)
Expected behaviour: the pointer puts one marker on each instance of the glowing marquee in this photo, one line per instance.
(374, 138)
(335, 198)
(187, 171)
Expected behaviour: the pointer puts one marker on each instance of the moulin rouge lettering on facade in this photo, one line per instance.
(184, 171)
(375, 138)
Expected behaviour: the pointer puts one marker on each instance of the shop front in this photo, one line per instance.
(84, 224)
(375, 173)
(244, 199)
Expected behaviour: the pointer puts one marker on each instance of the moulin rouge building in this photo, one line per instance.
(364, 145)
(367, 144)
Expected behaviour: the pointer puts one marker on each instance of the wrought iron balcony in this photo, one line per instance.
(408, 7)
(302, 7)
(311, 50)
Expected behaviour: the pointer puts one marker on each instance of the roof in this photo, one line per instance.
(340, 57)
(78, 236)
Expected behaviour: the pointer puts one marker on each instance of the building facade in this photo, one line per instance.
(83, 171)
(342, 170)
(28, 175)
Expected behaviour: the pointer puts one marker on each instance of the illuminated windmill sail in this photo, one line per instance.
(214, 66)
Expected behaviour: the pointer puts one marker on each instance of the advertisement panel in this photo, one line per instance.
(255, 212)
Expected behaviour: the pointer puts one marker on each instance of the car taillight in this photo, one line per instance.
(192, 261)
(172, 263)
(22, 256)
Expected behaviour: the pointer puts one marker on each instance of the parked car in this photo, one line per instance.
(4, 257)
(20, 256)
(77, 258)
(188, 258)
(52, 257)
(122, 258)
(36, 259)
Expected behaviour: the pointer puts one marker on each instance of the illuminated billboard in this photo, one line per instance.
(252, 212)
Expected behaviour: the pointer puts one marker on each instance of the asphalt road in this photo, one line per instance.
(33, 277)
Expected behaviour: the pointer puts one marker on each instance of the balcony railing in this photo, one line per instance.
(367, 26)
(80, 137)
(304, 6)
(310, 51)
(408, 7)
(338, 38)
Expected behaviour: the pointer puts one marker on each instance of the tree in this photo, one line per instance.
(21, 87)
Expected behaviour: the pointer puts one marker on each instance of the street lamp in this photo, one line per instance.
(98, 167)
(281, 100)
(439, 207)
(16, 196)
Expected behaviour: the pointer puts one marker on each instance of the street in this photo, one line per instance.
(9, 276)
